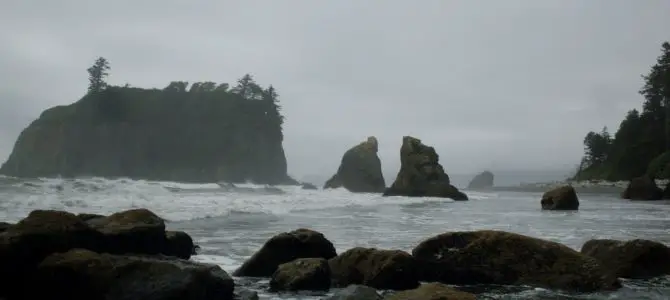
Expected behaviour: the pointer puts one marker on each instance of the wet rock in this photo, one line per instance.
(421, 174)
(560, 198)
(431, 291)
(360, 170)
(286, 247)
(245, 294)
(4, 226)
(380, 269)
(303, 274)
(132, 231)
(179, 244)
(107, 276)
(483, 180)
(41, 233)
(638, 259)
(642, 188)
(356, 292)
(497, 257)
(87, 217)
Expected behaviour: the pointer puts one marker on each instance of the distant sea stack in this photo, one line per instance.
(483, 180)
(203, 134)
(360, 170)
(421, 174)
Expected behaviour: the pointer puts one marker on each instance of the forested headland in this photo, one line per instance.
(641, 144)
(202, 132)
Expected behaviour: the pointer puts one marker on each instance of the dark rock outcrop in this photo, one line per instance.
(640, 259)
(106, 276)
(642, 188)
(356, 292)
(360, 170)
(560, 198)
(286, 247)
(303, 274)
(497, 257)
(125, 132)
(132, 231)
(4, 226)
(380, 269)
(308, 186)
(431, 291)
(483, 180)
(179, 244)
(421, 174)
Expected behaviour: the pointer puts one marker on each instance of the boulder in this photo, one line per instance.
(132, 231)
(245, 294)
(431, 291)
(380, 269)
(638, 259)
(642, 188)
(308, 186)
(4, 226)
(483, 180)
(360, 170)
(286, 247)
(179, 244)
(421, 174)
(107, 276)
(356, 292)
(87, 217)
(497, 257)
(560, 198)
(303, 274)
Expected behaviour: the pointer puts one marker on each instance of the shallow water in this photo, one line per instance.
(231, 226)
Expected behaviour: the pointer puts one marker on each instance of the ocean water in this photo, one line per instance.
(231, 225)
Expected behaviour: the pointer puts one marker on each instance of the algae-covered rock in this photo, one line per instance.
(286, 247)
(381, 269)
(360, 169)
(483, 180)
(636, 258)
(497, 257)
(560, 198)
(421, 174)
(431, 291)
(303, 274)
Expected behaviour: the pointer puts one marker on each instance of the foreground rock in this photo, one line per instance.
(497, 257)
(642, 188)
(286, 247)
(431, 291)
(639, 259)
(421, 174)
(560, 198)
(381, 269)
(356, 292)
(360, 170)
(483, 180)
(106, 276)
(303, 274)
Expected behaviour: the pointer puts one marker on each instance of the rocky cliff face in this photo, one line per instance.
(176, 135)
(360, 170)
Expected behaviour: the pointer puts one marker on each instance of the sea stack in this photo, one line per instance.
(360, 170)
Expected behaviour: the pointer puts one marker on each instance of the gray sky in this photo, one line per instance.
(490, 84)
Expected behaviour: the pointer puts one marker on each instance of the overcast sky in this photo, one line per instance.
(490, 84)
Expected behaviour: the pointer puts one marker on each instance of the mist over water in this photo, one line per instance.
(231, 225)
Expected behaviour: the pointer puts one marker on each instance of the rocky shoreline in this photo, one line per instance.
(582, 187)
(130, 255)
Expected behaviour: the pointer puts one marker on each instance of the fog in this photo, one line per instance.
(502, 85)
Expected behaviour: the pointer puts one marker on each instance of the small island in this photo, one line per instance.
(207, 132)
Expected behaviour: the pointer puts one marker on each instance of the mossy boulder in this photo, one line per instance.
(286, 247)
(356, 292)
(132, 231)
(421, 174)
(638, 258)
(483, 180)
(642, 188)
(380, 269)
(560, 198)
(106, 276)
(431, 291)
(179, 244)
(303, 274)
(360, 170)
(497, 257)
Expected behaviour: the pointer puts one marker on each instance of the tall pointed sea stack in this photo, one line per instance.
(360, 170)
